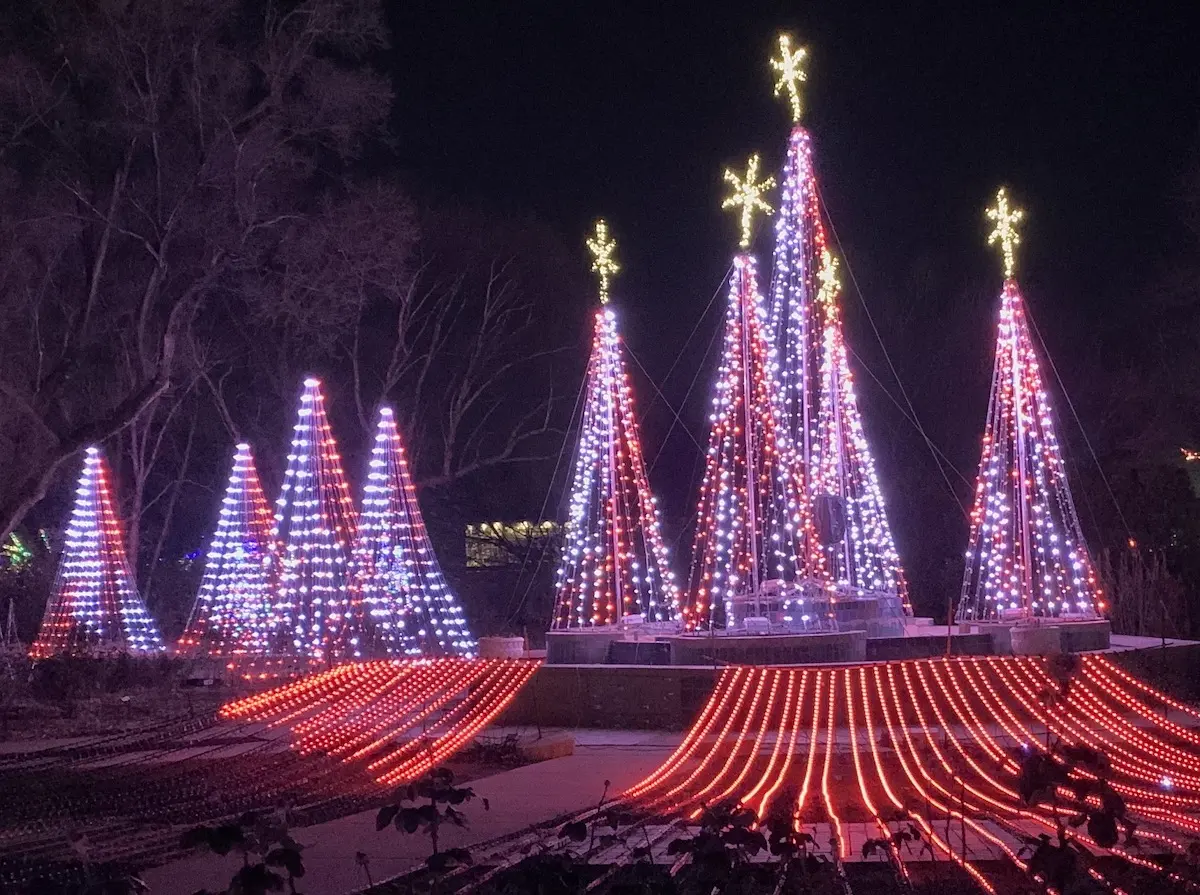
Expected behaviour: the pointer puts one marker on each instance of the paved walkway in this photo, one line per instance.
(517, 799)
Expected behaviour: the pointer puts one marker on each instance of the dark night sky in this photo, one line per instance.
(1089, 111)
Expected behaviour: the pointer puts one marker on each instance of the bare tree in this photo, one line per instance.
(467, 355)
(1146, 598)
(157, 157)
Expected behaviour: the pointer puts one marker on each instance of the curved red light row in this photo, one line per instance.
(399, 718)
(937, 742)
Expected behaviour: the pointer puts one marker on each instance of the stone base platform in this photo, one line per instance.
(614, 647)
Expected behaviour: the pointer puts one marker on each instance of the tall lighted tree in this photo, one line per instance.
(314, 613)
(820, 408)
(614, 563)
(405, 606)
(754, 526)
(232, 614)
(1026, 557)
(95, 607)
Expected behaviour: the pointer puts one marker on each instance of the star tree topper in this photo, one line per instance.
(604, 264)
(791, 74)
(747, 195)
(1006, 230)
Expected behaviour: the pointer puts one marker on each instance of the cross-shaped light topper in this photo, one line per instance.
(747, 195)
(604, 264)
(830, 284)
(1006, 230)
(791, 74)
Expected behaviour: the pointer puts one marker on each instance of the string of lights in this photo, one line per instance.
(1026, 556)
(935, 719)
(406, 605)
(813, 376)
(394, 719)
(614, 563)
(753, 520)
(94, 607)
(232, 612)
(315, 612)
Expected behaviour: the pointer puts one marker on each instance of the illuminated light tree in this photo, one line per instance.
(94, 607)
(614, 564)
(232, 612)
(314, 613)
(754, 525)
(820, 408)
(1026, 557)
(406, 607)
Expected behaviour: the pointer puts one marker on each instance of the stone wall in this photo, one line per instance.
(623, 697)
(646, 697)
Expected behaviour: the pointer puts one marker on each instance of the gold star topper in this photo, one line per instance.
(790, 68)
(602, 247)
(830, 284)
(1006, 230)
(747, 195)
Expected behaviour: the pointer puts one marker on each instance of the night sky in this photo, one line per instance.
(1089, 112)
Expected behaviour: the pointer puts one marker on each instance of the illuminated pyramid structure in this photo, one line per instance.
(314, 611)
(94, 608)
(755, 541)
(820, 408)
(232, 613)
(614, 565)
(1026, 557)
(404, 605)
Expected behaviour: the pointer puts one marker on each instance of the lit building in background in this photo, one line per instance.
(498, 545)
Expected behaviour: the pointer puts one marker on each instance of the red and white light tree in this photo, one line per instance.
(614, 564)
(406, 607)
(1026, 557)
(232, 613)
(754, 525)
(820, 408)
(314, 613)
(94, 607)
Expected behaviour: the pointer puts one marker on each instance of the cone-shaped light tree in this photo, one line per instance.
(1026, 557)
(314, 611)
(95, 607)
(614, 563)
(754, 525)
(404, 605)
(232, 614)
(820, 408)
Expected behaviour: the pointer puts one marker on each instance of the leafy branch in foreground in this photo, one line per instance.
(271, 858)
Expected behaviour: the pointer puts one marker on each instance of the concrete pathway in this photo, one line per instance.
(517, 798)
